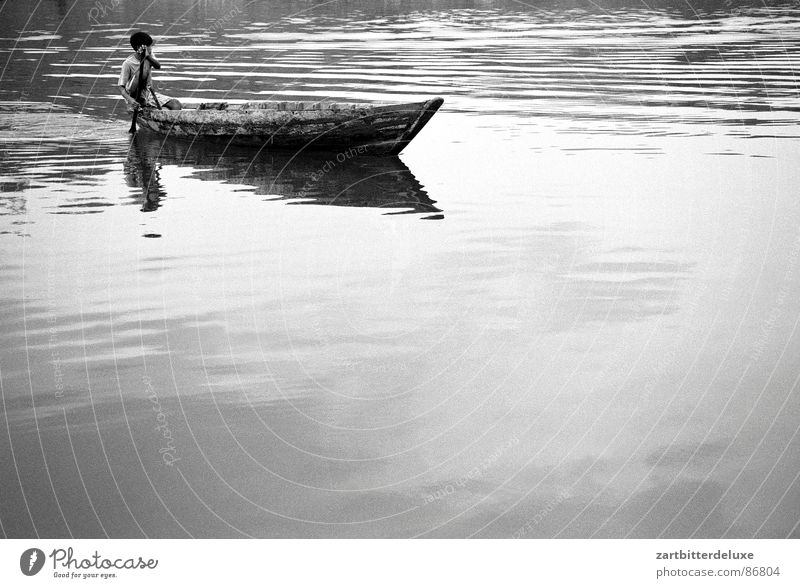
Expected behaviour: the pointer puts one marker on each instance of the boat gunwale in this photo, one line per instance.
(284, 106)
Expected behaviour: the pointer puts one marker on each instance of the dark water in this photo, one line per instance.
(569, 309)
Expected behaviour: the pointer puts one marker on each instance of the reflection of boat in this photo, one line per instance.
(299, 178)
(369, 129)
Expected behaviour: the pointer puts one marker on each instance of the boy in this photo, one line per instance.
(142, 44)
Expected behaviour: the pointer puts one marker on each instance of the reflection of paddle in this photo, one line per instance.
(137, 95)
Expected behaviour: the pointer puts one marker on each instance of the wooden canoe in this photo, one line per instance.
(369, 129)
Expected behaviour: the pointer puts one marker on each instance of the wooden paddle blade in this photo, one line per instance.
(133, 121)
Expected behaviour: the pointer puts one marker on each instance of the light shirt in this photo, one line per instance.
(129, 75)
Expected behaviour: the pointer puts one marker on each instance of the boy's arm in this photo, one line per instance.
(124, 78)
(128, 98)
(152, 59)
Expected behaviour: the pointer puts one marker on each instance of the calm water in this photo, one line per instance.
(569, 309)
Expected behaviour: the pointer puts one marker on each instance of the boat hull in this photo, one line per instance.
(359, 128)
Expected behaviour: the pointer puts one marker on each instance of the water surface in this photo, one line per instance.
(568, 309)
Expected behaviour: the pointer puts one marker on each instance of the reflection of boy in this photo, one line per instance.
(142, 44)
(142, 171)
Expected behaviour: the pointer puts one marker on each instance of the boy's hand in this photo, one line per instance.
(132, 104)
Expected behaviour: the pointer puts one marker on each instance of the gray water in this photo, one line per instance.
(568, 309)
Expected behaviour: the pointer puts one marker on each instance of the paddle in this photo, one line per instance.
(137, 95)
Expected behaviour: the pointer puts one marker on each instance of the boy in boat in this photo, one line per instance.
(142, 44)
